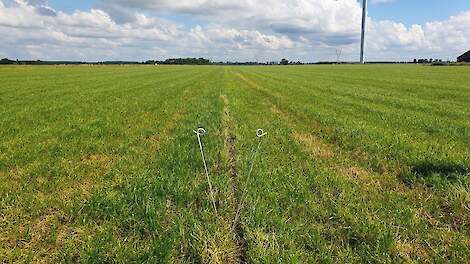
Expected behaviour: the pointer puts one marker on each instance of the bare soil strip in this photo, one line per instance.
(230, 157)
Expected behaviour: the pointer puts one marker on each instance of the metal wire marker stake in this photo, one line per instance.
(259, 134)
(200, 132)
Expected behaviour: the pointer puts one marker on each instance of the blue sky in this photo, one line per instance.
(243, 30)
(417, 11)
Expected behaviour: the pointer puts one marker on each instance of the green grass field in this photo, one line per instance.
(360, 164)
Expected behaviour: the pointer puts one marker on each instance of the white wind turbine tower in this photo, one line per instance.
(363, 30)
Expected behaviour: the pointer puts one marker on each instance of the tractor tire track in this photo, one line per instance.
(230, 154)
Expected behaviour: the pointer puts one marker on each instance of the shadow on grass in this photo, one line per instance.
(428, 169)
(445, 169)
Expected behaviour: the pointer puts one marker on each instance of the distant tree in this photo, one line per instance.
(188, 61)
(6, 61)
(284, 62)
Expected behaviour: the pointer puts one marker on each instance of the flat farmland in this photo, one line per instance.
(359, 164)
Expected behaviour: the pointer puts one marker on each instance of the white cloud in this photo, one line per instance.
(313, 17)
(246, 30)
(444, 39)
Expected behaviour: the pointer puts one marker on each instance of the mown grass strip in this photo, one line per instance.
(358, 200)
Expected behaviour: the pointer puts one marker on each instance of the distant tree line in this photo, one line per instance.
(203, 61)
(7, 61)
(37, 62)
(181, 61)
(41, 62)
(174, 61)
(116, 62)
(187, 61)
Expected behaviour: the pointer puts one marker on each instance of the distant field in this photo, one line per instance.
(360, 164)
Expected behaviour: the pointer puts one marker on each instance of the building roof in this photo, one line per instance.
(464, 57)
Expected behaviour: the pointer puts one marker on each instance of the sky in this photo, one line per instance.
(232, 30)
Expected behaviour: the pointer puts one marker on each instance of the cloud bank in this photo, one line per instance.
(307, 30)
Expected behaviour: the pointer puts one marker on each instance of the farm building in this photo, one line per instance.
(464, 57)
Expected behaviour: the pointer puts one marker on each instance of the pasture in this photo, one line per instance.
(360, 164)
